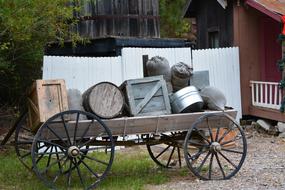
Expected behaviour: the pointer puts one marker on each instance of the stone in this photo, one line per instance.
(281, 127)
(282, 135)
(264, 124)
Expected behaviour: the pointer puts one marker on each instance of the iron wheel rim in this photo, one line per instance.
(227, 156)
(81, 167)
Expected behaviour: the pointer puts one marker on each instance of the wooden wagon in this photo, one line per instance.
(75, 148)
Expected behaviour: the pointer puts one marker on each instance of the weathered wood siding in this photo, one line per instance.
(139, 18)
(212, 17)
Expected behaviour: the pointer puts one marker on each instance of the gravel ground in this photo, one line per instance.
(264, 168)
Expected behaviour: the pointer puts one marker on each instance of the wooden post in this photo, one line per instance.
(283, 71)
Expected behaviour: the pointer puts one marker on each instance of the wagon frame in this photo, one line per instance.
(64, 147)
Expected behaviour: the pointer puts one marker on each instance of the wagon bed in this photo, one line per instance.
(140, 124)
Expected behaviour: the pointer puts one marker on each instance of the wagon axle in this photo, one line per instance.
(215, 147)
(73, 151)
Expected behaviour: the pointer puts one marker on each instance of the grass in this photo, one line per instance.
(130, 170)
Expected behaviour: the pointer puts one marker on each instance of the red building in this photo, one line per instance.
(253, 26)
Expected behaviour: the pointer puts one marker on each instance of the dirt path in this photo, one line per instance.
(264, 168)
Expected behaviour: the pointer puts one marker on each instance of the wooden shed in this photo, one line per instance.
(128, 18)
(253, 26)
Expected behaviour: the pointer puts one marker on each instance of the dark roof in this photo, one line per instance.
(111, 46)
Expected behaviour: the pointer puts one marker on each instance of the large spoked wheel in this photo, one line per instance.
(70, 153)
(167, 151)
(215, 147)
(23, 141)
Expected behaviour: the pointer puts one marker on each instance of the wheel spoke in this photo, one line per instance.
(85, 131)
(171, 154)
(49, 157)
(51, 143)
(179, 157)
(94, 159)
(228, 142)
(220, 165)
(197, 155)
(95, 174)
(162, 152)
(75, 129)
(57, 156)
(27, 129)
(210, 130)
(59, 172)
(87, 142)
(217, 134)
(42, 155)
(203, 137)
(69, 173)
(226, 132)
(233, 151)
(27, 154)
(66, 131)
(56, 135)
(211, 165)
(198, 144)
(203, 162)
(52, 164)
(228, 160)
(78, 172)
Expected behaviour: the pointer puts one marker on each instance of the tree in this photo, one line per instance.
(172, 23)
(25, 28)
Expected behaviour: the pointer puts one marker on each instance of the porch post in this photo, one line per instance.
(282, 68)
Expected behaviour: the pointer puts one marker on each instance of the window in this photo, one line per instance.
(213, 39)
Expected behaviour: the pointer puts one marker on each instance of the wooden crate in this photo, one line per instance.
(45, 99)
(146, 96)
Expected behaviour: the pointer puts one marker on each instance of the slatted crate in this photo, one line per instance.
(146, 96)
(45, 99)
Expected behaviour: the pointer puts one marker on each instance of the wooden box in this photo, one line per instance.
(45, 99)
(146, 96)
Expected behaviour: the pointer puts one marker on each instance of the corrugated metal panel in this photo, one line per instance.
(224, 72)
(83, 72)
(132, 59)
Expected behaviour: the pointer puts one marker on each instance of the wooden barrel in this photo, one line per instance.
(104, 99)
(127, 18)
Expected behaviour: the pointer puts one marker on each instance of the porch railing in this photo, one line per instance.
(266, 94)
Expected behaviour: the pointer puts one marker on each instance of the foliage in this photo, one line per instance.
(25, 28)
(27, 25)
(132, 169)
(172, 23)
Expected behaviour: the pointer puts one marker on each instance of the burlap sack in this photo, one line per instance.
(180, 75)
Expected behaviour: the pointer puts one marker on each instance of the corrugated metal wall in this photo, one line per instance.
(83, 72)
(224, 72)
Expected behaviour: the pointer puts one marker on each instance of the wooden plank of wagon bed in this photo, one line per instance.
(135, 125)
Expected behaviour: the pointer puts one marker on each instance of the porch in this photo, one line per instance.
(266, 100)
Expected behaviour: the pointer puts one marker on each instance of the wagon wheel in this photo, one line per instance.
(23, 141)
(74, 154)
(218, 151)
(166, 152)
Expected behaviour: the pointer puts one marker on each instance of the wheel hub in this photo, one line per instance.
(73, 151)
(216, 147)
